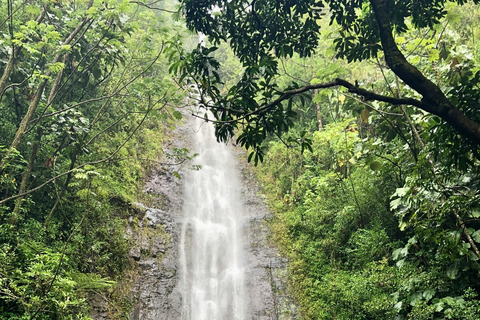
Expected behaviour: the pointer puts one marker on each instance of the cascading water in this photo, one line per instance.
(212, 274)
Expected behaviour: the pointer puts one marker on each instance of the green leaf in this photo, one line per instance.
(65, 48)
(415, 60)
(92, 11)
(400, 192)
(434, 55)
(177, 115)
(250, 156)
(438, 306)
(429, 294)
(394, 204)
(56, 67)
(472, 255)
(476, 236)
(400, 40)
(365, 115)
(376, 166)
(398, 305)
(452, 272)
(475, 213)
(415, 298)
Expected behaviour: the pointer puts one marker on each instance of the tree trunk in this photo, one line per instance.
(25, 177)
(22, 129)
(434, 100)
(7, 72)
(11, 60)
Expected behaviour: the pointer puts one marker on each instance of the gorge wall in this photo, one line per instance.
(152, 286)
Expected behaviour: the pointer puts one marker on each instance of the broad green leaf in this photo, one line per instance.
(400, 40)
(475, 213)
(394, 204)
(400, 192)
(472, 255)
(398, 305)
(452, 272)
(429, 294)
(434, 55)
(56, 67)
(476, 236)
(177, 115)
(438, 306)
(396, 253)
(415, 60)
(415, 298)
(376, 166)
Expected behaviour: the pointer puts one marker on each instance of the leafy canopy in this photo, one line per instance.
(262, 32)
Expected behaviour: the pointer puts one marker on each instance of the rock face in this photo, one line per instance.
(267, 271)
(154, 290)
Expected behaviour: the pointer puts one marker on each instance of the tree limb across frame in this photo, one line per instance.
(367, 96)
(274, 30)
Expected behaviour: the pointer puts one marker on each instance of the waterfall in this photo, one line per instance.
(212, 274)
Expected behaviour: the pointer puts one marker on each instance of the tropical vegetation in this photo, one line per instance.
(361, 116)
(86, 103)
(363, 119)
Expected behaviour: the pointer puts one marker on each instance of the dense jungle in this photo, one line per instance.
(361, 121)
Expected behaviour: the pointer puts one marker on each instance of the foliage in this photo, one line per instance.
(85, 107)
(261, 34)
(379, 220)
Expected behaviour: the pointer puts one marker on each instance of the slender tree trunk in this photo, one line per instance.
(64, 189)
(7, 72)
(28, 170)
(409, 120)
(318, 107)
(467, 235)
(22, 129)
(56, 84)
(25, 177)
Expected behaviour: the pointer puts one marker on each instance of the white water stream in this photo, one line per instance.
(212, 274)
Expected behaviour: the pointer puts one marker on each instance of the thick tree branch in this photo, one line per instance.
(367, 95)
(434, 100)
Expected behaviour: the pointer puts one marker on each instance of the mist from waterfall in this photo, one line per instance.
(212, 274)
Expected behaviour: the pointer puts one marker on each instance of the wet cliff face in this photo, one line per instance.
(153, 287)
(266, 273)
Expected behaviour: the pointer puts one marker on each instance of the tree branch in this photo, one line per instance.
(150, 6)
(116, 92)
(80, 166)
(434, 100)
(368, 95)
